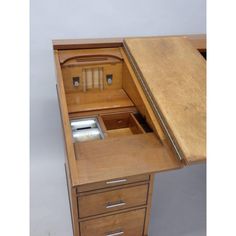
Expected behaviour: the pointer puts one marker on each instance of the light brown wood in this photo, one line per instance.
(87, 43)
(102, 112)
(102, 125)
(97, 100)
(73, 203)
(149, 204)
(114, 182)
(110, 213)
(110, 188)
(121, 123)
(98, 203)
(65, 55)
(126, 156)
(119, 132)
(85, 74)
(135, 126)
(73, 171)
(133, 88)
(121, 155)
(198, 40)
(131, 223)
(173, 74)
(90, 61)
(116, 121)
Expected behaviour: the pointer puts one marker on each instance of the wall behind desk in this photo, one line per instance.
(179, 197)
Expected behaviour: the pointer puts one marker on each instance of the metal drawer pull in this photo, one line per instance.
(116, 181)
(115, 234)
(110, 205)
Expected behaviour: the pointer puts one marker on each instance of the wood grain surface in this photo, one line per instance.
(198, 40)
(97, 100)
(113, 158)
(173, 73)
(105, 185)
(95, 204)
(130, 223)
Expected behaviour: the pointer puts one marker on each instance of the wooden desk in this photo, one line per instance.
(149, 96)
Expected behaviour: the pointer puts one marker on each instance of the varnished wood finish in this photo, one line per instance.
(73, 171)
(131, 223)
(116, 121)
(122, 182)
(119, 132)
(135, 126)
(111, 188)
(126, 156)
(122, 166)
(86, 54)
(110, 213)
(98, 203)
(96, 100)
(176, 84)
(121, 121)
(102, 112)
(77, 71)
(73, 203)
(133, 88)
(198, 40)
(149, 204)
(87, 43)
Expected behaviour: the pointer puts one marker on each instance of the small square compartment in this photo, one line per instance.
(121, 124)
(86, 129)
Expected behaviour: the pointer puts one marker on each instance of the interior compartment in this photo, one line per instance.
(93, 79)
(108, 126)
(101, 84)
(121, 124)
(98, 86)
(86, 129)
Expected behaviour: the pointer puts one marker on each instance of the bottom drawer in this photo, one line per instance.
(126, 224)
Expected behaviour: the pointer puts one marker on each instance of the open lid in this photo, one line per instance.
(173, 75)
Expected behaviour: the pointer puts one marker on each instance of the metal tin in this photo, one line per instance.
(86, 129)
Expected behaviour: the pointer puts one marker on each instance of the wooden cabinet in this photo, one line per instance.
(113, 183)
(112, 200)
(130, 108)
(128, 223)
(115, 210)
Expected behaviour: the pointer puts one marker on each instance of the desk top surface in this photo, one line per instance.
(173, 73)
(113, 158)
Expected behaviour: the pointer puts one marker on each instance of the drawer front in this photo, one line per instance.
(112, 183)
(126, 224)
(104, 202)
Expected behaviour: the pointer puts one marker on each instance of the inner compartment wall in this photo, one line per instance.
(69, 72)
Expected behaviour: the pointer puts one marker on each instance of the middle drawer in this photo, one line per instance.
(118, 199)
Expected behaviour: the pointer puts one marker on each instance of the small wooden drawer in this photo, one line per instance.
(127, 224)
(112, 183)
(109, 201)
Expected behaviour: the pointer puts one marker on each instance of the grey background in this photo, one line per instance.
(179, 198)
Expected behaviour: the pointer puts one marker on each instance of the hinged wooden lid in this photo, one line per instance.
(173, 75)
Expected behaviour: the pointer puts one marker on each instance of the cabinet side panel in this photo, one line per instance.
(65, 123)
(73, 204)
(149, 205)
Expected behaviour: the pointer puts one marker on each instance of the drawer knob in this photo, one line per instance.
(116, 181)
(116, 204)
(120, 232)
